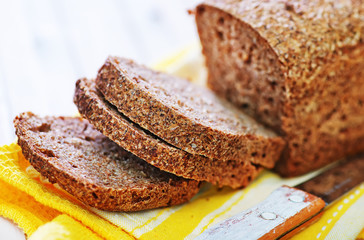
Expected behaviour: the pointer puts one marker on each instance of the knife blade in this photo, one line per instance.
(287, 210)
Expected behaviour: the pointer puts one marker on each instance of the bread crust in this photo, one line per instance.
(313, 52)
(187, 116)
(70, 152)
(156, 152)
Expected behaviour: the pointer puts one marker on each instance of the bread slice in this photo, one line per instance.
(296, 66)
(185, 115)
(155, 151)
(70, 152)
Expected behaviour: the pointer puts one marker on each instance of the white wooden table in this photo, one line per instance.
(46, 45)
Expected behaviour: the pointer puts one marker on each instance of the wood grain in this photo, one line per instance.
(45, 46)
(270, 219)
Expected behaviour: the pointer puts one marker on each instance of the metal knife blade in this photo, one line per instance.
(290, 209)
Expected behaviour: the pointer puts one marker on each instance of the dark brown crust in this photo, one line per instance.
(173, 109)
(320, 108)
(163, 189)
(131, 137)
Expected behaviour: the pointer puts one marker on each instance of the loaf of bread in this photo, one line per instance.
(296, 66)
(95, 170)
(185, 115)
(113, 124)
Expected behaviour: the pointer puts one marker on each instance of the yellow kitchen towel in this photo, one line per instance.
(64, 227)
(52, 212)
(23, 208)
(13, 171)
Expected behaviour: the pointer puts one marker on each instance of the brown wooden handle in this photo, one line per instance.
(285, 211)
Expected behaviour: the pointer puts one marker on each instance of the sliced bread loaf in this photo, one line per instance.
(185, 115)
(95, 170)
(155, 151)
(297, 66)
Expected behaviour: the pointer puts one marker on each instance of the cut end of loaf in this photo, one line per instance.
(271, 59)
(242, 67)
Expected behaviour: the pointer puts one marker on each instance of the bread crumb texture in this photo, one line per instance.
(296, 66)
(185, 115)
(154, 150)
(95, 170)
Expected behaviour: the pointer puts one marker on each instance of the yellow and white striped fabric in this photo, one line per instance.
(45, 212)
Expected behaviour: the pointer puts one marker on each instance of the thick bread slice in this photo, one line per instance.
(187, 116)
(155, 151)
(70, 152)
(297, 66)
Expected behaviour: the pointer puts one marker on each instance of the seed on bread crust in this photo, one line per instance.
(296, 66)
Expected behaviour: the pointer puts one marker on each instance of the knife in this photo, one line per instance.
(287, 210)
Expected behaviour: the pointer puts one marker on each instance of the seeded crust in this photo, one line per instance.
(155, 151)
(70, 152)
(296, 66)
(187, 116)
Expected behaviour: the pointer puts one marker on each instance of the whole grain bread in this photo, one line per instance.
(95, 170)
(296, 66)
(105, 117)
(185, 115)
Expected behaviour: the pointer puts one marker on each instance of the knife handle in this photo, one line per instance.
(284, 212)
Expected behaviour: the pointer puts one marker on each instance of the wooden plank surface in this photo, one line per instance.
(45, 46)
